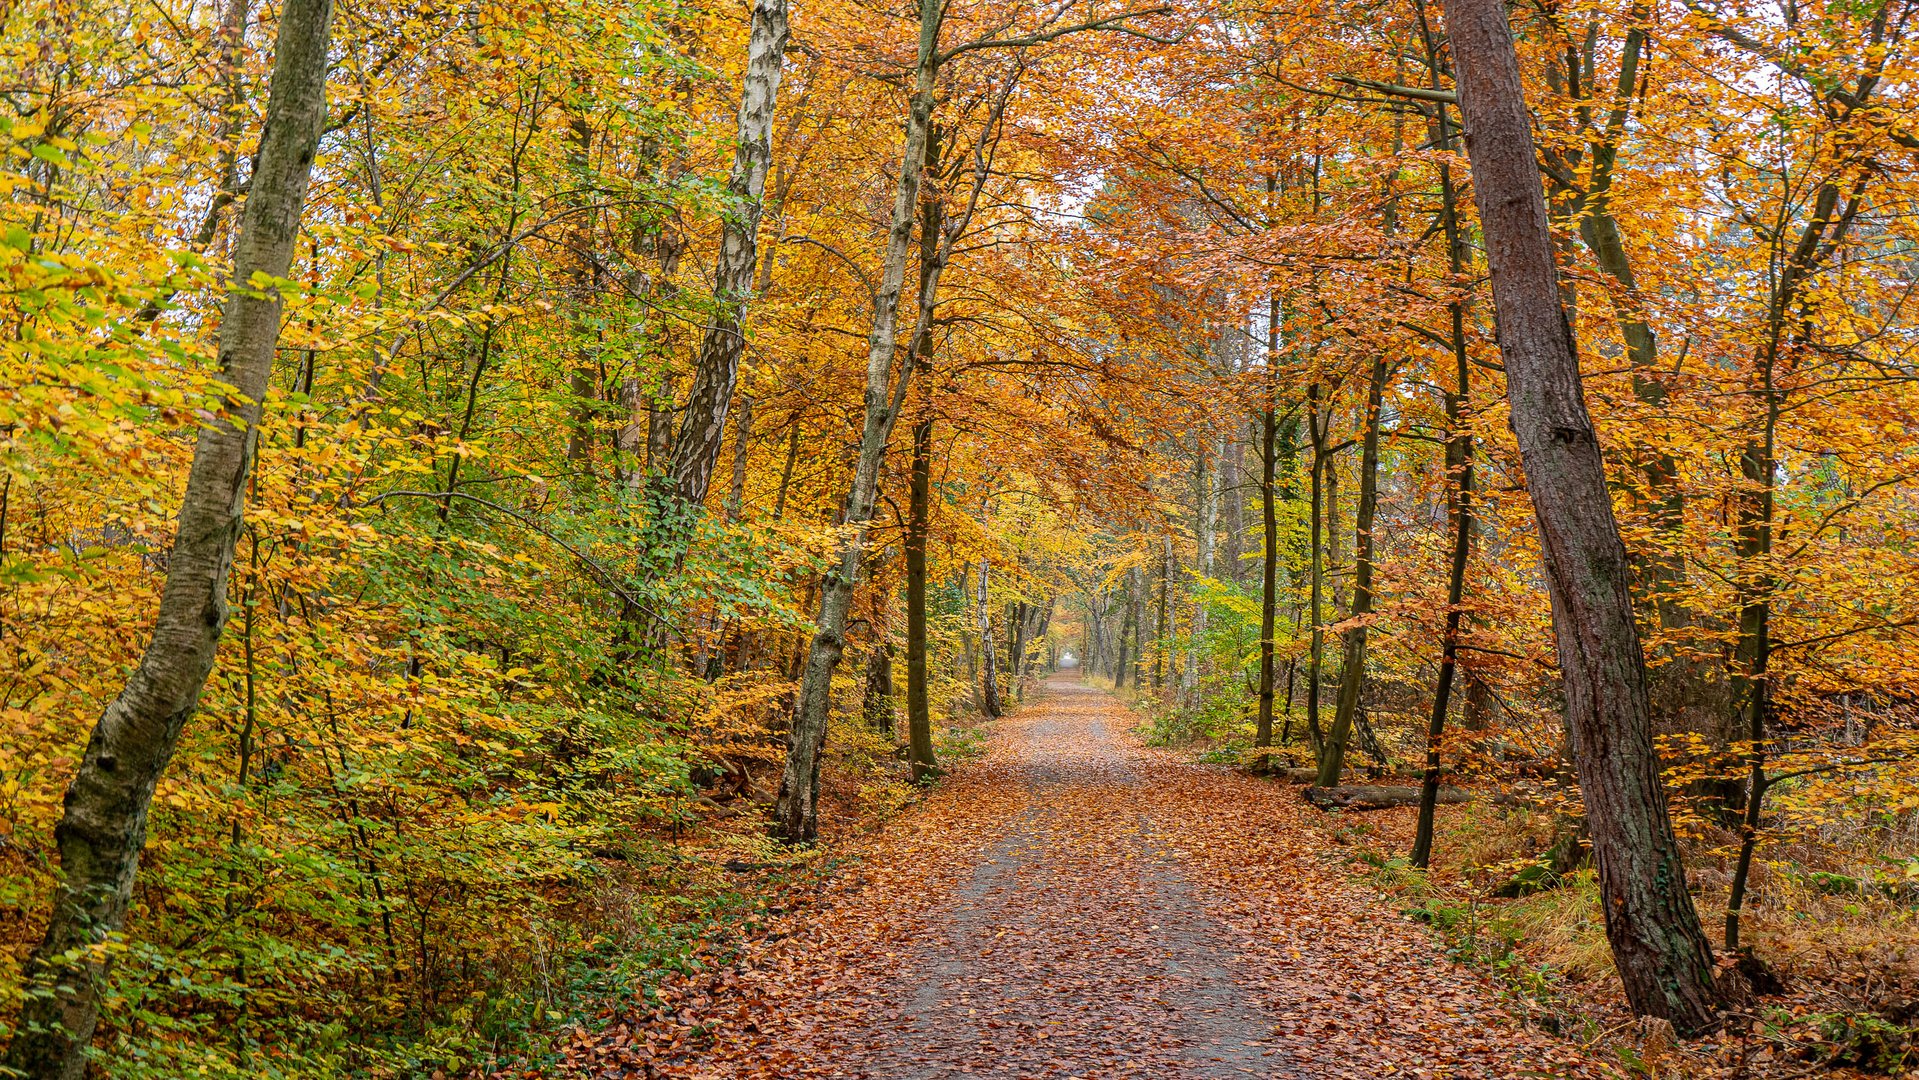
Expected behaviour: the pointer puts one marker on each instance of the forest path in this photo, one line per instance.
(1079, 905)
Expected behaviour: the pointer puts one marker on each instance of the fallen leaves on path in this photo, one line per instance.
(1077, 905)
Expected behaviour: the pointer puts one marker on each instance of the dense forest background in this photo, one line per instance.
(1159, 336)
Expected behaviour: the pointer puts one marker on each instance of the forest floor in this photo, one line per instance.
(1076, 904)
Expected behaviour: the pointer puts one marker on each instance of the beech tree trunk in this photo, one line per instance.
(876, 703)
(919, 716)
(1459, 463)
(1316, 430)
(1205, 525)
(1016, 646)
(104, 825)
(1269, 519)
(1661, 954)
(1352, 673)
(1459, 468)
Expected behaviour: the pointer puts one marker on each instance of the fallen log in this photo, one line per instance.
(1380, 797)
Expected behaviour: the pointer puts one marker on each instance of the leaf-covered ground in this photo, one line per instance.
(1078, 905)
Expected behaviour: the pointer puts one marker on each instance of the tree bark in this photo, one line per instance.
(1459, 470)
(876, 703)
(1232, 467)
(1661, 954)
(683, 482)
(742, 446)
(1316, 430)
(919, 717)
(1015, 645)
(796, 817)
(1205, 523)
(1352, 673)
(989, 665)
(1269, 518)
(104, 825)
(1161, 631)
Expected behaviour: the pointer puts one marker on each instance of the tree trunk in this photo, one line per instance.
(104, 825)
(1316, 430)
(683, 482)
(1352, 673)
(919, 716)
(968, 654)
(742, 445)
(1661, 954)
(786, 470)
(1205, 524)
(1459, 466)
(1269, 519)
(1232, 468)
(1015, 645)
(1161, 631)
(989, 667)
(1758, 466)
(581, 291)
(796, 817)
(1479, 702)
(1045, 621)
(876, 703)
(1459, 470)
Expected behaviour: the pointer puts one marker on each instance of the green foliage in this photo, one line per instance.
(1867, 1041)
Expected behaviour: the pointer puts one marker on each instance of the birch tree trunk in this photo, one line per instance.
(1162, 626)
(1660, 952)
(104, 825)
(989, 666)
(1205, 529)
(796, 817)
(697, 448)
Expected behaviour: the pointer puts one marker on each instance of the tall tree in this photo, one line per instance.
(1269, 521)
(1459, 472)
(1660, 952)
(919, 716)
(1352, 673)
(796, 815)
(104, 827)
(680, 482)
(989, 697)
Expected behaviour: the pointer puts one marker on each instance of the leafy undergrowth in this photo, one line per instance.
(1845, 1006)
(679, 911)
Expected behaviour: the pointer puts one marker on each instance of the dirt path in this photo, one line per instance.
(1077, 905)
